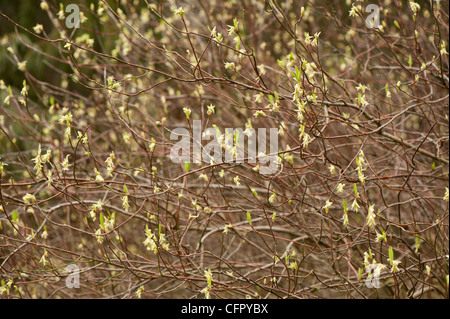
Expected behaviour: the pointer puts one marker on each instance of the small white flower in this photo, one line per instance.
(353, 11)
(152, 145)
(394, 265)
(38, 28)
(151, 241)
(428, 269)
(179, 12)
(98, 178)
(258, 113)
(361, 87)
(272, 198)
(345, 219)
(98, 205)
(388, 94)
(361, 176)
(332, 169)
(2, 166)
(43, 259)
(65, 119)
(367, 258)
(230, 65)
(139, 292)
(44, 234)
(211, 109)
(60, 14)
(125, 204)
(206, 292)
(83, 138)
(327, 206)
(262, 69)
(362, 101)
(308, 38)
(44, 5)
(29, 198)
(233, 29)
(316, 39)
(99, 238)
(208, 276)
(187, 111)
(340, 188)
(93, 215)
(443, 50)
(381, 238)
(50, 178)
(110, 164)
(378, 269)
(67, 132)
(196, 206)
(370, 222)
(226, 228)
(65, 164)
(46, 157)
(293, 266)
(355, 206)
(22, 65)
(415, 7)
(306, 140)
(258, 97)
(213, 32)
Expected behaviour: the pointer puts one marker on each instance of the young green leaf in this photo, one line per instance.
(236, 137)
(355, 189)
(15, 216)
(417, 239)
(360, 272)
(280, 63)
(391, 255)
(102, 220)
(276, 96)
(298, 74)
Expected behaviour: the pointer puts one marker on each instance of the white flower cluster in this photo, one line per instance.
(152, 242)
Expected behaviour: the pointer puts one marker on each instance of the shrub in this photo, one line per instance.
(359, 196)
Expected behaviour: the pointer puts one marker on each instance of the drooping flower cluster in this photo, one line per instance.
(362, 165)
(40, 160)
(152, 242)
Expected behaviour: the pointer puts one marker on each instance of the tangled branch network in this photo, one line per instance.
(97, 199)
